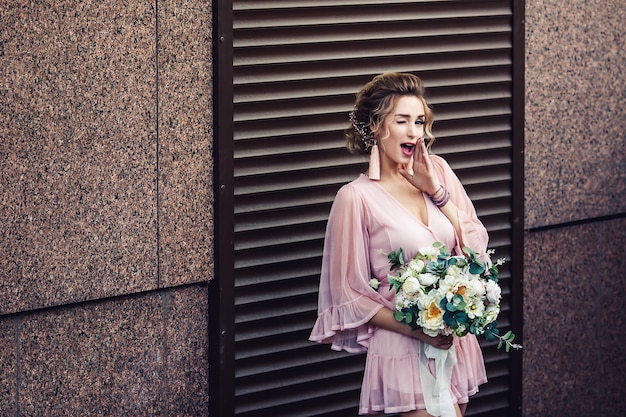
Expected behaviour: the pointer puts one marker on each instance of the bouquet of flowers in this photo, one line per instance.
(446, 294)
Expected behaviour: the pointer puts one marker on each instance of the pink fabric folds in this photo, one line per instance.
(364, 225)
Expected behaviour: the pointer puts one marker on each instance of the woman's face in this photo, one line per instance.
(401, 130)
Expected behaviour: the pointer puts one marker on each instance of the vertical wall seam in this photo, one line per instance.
(158, 206)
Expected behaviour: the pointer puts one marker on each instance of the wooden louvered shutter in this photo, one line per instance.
(296, 67)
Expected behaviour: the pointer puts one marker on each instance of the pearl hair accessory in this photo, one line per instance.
(363, 129)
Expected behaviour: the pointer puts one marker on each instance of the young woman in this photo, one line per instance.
(408, 199)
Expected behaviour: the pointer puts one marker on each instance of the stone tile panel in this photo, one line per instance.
(185, 142)
(574, 328)
(575, 120)
(77, 151)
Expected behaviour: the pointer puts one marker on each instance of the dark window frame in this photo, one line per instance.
(221, 290)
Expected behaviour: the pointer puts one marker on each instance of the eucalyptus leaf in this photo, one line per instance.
(476, 268)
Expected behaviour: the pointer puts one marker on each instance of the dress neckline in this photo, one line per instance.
(396, 202)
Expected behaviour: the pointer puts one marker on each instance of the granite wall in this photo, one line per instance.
(105, 206)
(575, 198)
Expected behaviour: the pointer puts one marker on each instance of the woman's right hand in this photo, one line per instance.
(385, 320)
(440, 341)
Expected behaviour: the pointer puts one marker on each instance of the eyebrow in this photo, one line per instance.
(421, 116)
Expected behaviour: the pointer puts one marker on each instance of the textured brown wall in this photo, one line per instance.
(575, 175)
(105, 206)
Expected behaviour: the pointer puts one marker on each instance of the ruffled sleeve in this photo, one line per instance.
(473, 232)
(346, 300)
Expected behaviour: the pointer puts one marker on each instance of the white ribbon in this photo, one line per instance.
(436, 389)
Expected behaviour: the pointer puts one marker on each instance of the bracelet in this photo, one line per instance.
(436, 192)
(443, 200)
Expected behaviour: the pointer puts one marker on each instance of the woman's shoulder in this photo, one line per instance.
(442, 166)
(357, 188)
(439, 161)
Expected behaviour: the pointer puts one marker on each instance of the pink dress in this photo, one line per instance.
(365, 224)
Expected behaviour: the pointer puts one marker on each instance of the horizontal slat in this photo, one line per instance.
(312, 356)
(488, 95)
(296, 6)
(310, 226)
(467, 77)
(258, 291)
(262, 405)
(334, 123)
(250, 332)
(310, 217)
(314, 232)
(339, 13)
(314, 216)
(293, 162)
(278, 345)
(291, 168)
(300, 252)
(280, 55)
(268, 301)
(354, 32)
(277, 200)
(323, 177)
(270, 275)
(338, 366)
(363, 68)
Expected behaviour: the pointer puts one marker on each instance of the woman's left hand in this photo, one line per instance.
(423, 177)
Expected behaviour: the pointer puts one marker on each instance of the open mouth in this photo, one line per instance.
(407, 148)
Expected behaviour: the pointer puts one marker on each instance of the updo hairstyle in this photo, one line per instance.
(375, 102)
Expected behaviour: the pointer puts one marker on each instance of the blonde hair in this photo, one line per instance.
(375, 101)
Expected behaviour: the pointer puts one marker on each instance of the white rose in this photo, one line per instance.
(477, 287)
(416, 265)
(454, 271)
(446, 286)
(429, 252)
(430, 316)
(491, 314)
(411, 286)
(407, 273)
(451, 285)
(374, 283)
(493, 291)
(427, 279)
(475, 309)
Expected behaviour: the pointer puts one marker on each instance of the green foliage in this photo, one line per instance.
(406, 316)
(505, 340)
(396, 259)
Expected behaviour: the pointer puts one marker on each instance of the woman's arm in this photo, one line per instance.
(385, 320)
(450, 210)
(428, 171)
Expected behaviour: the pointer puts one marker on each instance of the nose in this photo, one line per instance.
(412, 130)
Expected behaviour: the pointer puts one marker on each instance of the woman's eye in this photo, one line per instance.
(419, 122)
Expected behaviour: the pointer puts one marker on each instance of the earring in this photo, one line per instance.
(374, 169)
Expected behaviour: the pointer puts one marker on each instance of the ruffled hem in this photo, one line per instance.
(392, 383)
